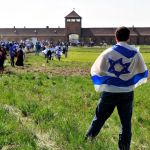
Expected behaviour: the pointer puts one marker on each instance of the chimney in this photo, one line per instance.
(132, 27)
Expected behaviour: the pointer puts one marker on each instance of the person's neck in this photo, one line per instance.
(121, 41)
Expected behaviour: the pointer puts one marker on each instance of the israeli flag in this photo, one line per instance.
(120, 68)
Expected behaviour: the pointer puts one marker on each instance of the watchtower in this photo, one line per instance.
(73, 25)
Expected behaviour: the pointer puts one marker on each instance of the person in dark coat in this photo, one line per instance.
(2, 58)
(20, 57)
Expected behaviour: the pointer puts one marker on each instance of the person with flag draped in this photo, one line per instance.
(116, 73)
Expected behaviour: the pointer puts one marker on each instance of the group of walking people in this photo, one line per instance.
(14, 51)
(57, 51)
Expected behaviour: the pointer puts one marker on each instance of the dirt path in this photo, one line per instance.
(43, 139)
(74, 71)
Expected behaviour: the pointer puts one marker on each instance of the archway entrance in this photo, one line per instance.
(74, 39)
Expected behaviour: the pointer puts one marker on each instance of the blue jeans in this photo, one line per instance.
(108, 102)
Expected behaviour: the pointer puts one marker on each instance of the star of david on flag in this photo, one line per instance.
(117, 67)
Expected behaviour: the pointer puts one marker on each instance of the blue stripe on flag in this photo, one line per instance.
(99, 80)
(124, 51)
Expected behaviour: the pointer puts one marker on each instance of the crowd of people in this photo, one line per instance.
(18, 50)
(52, 51)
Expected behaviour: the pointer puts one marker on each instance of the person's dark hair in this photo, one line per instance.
(122, 33)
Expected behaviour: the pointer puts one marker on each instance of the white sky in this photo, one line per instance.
(94, 13)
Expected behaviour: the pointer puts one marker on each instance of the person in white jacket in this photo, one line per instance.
(116, 73)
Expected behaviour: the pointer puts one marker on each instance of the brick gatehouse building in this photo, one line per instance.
(73, 31)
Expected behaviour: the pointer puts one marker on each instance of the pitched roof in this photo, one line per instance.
(32, 31)
(143, 31)
(98, 31)
(73, 14)
(86, 32)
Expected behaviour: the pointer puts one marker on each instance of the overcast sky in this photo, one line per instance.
(94, 13)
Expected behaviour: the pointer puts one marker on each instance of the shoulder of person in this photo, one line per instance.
(106, 51)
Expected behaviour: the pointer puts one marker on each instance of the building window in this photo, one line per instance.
(77, 20)
(73, 20)
(68, 20)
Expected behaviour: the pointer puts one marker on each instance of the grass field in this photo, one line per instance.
(50, 105)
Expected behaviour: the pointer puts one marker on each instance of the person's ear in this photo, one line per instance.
(116, 39)
(128, 40)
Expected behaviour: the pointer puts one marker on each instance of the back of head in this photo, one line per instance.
(122, 34)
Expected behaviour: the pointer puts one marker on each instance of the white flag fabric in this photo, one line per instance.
(120, 68)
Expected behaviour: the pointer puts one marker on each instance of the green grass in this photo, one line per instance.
(62, 104)
(12, 133)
